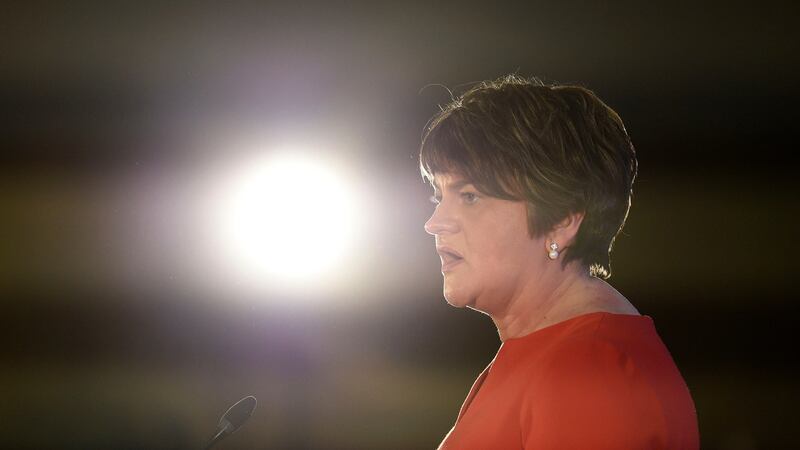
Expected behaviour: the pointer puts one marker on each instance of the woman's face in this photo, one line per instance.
(483, 243)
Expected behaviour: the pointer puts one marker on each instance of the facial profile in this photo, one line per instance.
(483, 242)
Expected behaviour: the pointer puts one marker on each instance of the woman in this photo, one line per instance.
(532, 184)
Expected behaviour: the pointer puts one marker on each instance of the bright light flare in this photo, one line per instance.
(289, 219)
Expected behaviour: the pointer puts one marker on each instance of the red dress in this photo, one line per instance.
(596, 381)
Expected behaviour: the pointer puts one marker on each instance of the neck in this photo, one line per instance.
(545, 300)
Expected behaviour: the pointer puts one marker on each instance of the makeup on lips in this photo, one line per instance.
(450, 258)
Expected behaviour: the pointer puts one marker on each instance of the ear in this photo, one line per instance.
(564, 232)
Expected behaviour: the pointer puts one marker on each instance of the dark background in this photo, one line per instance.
(115, 119)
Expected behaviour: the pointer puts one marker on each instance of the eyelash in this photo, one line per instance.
(469, 198)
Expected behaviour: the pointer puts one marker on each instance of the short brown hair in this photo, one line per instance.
(557, 147)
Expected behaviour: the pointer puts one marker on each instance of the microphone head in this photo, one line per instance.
(237, 414)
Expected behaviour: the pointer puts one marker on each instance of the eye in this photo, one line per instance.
(469, 197)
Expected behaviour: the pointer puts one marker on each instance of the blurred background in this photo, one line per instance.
(135, 309)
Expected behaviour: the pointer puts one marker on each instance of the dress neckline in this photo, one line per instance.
(558, 326)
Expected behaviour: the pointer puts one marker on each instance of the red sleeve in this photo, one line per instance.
(592, 395)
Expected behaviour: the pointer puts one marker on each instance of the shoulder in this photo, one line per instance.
(611, 350)
(599, 380)
(596, 353)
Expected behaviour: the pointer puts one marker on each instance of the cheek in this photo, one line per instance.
(497, 238)
(508, 246)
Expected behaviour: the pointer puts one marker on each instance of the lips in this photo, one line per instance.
(450, 258)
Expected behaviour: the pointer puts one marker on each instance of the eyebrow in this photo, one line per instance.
(454, 186)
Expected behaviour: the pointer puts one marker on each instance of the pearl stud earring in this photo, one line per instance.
(553, 251)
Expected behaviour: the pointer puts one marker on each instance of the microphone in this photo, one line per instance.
(233, 418)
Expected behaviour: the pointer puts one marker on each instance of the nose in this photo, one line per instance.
(441, 222)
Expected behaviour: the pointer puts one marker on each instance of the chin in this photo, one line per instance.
(455, 304)
(456, 299)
